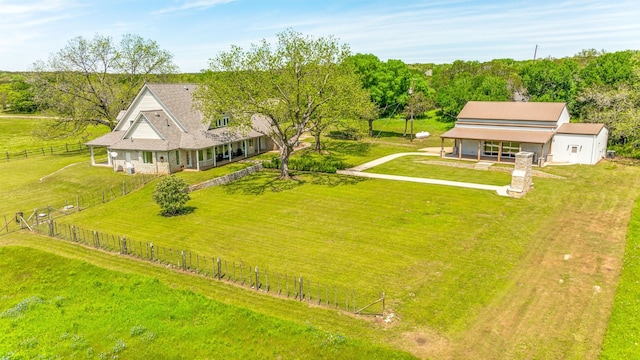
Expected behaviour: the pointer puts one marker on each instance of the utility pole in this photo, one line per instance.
(411, 109)
(535, 52)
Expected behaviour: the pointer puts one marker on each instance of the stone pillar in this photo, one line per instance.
(521, 181)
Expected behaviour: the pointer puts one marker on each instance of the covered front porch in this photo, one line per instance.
(210, 157)
(497, 145)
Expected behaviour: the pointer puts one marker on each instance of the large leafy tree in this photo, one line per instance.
(293, 83)
(466, 87)
(388, 83)
(552, 80)
(91, 80)
(350, 102)
(611, 69)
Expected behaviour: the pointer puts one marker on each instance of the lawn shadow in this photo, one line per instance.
(333, 180)
(259, 183)
(184, 211)
(387, 134)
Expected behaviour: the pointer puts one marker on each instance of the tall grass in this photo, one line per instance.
(63, 308)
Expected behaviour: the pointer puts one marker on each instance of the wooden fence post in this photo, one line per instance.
(300, 283)
(25, 153)
(219, 268)
(184, 260)
(151, 249)
(73, 233)
(7, 155)
(124, 245)
(257, 279)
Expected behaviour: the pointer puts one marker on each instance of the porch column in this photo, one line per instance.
(459, 143)
(214, 156)
(93, 161)
(499, 151)
(109, 159)
(155, 155)
(230, 150)
(441, 147)
(479, 148)
(246, 149)
(198, 160)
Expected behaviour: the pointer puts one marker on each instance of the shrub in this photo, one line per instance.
(325, 164)
(171, 194)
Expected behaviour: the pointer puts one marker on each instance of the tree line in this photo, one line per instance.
(312, 84)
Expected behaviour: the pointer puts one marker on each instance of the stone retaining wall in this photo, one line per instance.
(226, 178)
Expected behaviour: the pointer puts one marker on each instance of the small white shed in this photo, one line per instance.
(579, 143)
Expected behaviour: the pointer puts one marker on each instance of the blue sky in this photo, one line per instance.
(415, 31)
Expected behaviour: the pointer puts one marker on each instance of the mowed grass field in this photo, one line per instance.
(468, 274)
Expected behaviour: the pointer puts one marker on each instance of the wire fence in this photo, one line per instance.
(55, 209)
(248, 276)
(43, 151)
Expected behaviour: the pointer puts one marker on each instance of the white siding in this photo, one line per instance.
(578, 149)
(564, 117)
(504, 127)
(143, 130)
(144, 102)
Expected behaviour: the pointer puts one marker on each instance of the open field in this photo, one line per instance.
(18, 133)
(74, 309)
(445, 262)
(468, 274)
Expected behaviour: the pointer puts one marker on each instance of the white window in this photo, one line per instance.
(222, 122)
(177, 157)
(147, 157)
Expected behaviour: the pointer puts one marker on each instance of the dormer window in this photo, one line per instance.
(222, 122)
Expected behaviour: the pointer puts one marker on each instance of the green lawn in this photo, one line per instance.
(18, 133)
(54, 307)
(415, 166)
(623, 335)
(391, 130)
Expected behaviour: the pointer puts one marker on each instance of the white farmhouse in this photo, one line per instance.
(162, 133)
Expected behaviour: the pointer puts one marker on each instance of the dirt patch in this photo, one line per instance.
(426, 344)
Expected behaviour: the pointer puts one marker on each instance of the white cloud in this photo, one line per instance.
(192, 5)
(29, 8)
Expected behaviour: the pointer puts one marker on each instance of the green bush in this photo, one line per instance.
(171, 194)
(307, 162)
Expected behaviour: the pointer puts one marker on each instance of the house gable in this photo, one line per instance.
(146, 100)
(142, 128)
